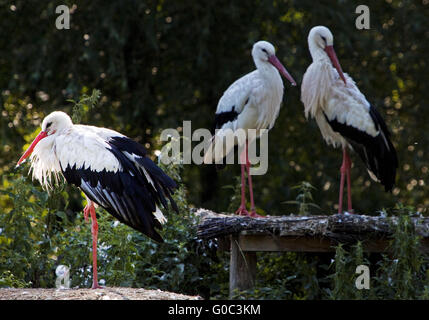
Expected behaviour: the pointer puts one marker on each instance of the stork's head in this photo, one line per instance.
(53, 124)
(264, 52)
(56, 121)
(320, 38)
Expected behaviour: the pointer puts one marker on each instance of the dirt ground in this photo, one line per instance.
(90, 294)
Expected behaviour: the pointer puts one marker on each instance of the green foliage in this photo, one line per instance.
(284, 276)
(402, 273)
(18, 236)
(344, 277)
(235, 198)
(8, 280)
(85, 104)
(304, 198)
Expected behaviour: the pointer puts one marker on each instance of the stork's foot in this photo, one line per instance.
(350, 211)
(242, 211)
(253, 214)
(96, 286)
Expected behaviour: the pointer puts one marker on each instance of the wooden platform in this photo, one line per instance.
(244, 236)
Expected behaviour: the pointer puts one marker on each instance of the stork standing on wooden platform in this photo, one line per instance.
(112, 170)
(344, 116)
(251, 102)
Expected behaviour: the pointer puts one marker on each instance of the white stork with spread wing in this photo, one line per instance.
(112, 170)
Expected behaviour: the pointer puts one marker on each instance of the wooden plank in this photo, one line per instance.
(272, 243)
(242, 268)
(268, 243)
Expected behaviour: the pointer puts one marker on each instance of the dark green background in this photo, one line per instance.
(158, 63)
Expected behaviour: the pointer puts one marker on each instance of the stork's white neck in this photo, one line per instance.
(316, 85)
(317, 53)
(274, 86)
(44, 163)
(266, 69)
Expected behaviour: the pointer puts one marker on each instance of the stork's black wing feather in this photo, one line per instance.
(378, 153)
(132, 193)
(225, 117)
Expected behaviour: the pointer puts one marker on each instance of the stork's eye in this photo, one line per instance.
(265, 50)
(323, 38)
(48, 125)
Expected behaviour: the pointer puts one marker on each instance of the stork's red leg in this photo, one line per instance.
(252, 201)
(242, 209)
(249, 177)
(343, 170)
(94, 231)
(349, 192)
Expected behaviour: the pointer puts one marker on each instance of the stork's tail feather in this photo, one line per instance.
(210, 156)
(388, 175)
(221, 148)
(381, 163)
(376, 151)
(163, 183)
(379, 154)
(387, 153)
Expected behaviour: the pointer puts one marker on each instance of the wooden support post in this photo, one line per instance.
(242, 268)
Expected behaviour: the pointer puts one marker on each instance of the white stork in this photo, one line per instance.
(112, 170)
(251, 102)
(344, 116)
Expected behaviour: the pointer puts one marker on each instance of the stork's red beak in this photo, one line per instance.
(331, 54)
(276, 63)
(39, 137)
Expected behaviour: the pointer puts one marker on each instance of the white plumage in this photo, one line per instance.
(111, 169)
(79, 146)
(251, 102)
(323, 91)
(82, 147)
(256, 98)
(343, 114)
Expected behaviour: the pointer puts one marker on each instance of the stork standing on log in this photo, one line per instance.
(112, 170)
(344, 116)
(251, 102)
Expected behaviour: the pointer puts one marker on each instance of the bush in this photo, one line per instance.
(401, 273)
